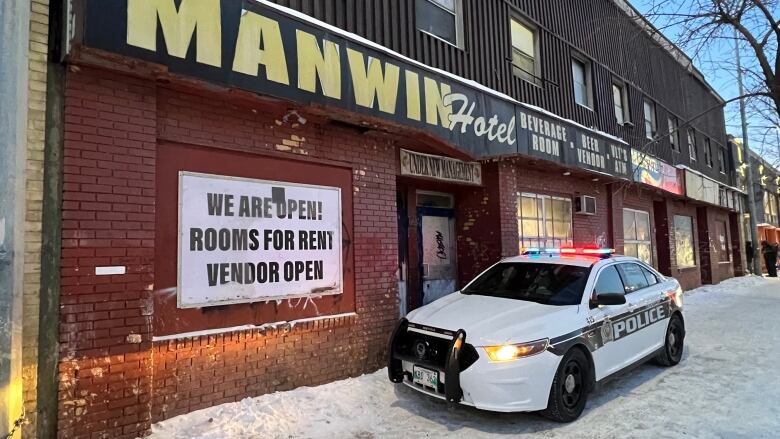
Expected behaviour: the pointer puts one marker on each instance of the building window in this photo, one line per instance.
(724, 253)
(674, 135)
(722, 160)
(620, 102)
(580, 71)
(524, 49)
(692, 145)
(770, 208)
(708, 152)
(441, 18)
(683, 241)
(636, 235)
(544, 221)
(650, 125)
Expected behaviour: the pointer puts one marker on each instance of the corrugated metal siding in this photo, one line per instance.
(597, 29)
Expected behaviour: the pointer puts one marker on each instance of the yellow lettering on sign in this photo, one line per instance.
(435, 109)
(253, 30)
(413, 95)
(201, 16)
(313, 63)
(372, 83)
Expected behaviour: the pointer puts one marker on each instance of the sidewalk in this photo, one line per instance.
(725, 387)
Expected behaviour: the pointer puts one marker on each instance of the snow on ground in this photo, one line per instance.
(725, 387)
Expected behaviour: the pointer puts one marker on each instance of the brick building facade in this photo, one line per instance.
(131, 355)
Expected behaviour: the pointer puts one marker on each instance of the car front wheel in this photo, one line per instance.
(569, 391)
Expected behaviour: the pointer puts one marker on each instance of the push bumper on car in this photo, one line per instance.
(451, 367)
(517, 386)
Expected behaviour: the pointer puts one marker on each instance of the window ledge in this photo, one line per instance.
(518, 77)
(459, 47)
(692, 267)
(585, 107)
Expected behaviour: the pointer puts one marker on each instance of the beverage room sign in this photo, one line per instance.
(262, 47)
(416, 164)
(243, 240)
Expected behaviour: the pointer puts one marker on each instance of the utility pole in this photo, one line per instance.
(750, 186)
(14, 40)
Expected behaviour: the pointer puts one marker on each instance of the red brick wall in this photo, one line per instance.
(478, 221)
(510, 241)
(113, 379)
(588, 229)
(108, 219)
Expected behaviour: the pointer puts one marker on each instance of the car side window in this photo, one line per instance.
(633, 277)
(609, 282)
(652, 279)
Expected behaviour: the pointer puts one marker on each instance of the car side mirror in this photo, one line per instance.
(610, 299)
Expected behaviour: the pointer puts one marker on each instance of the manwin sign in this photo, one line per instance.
(261, 47)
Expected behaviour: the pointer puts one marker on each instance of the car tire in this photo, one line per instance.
(570, 386)
(671, 354)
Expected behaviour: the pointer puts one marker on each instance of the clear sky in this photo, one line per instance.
(717, 63)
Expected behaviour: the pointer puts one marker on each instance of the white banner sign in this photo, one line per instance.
(244, 240)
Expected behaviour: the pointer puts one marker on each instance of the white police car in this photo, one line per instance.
(538, 331)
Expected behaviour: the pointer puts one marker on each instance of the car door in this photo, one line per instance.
(610, 355)
(643, 327)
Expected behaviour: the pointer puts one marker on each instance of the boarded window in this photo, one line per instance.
(683, 240)
(722, 244)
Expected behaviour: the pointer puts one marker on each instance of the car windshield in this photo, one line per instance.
(548, 284)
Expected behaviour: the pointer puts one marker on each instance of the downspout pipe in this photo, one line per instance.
(51, 249)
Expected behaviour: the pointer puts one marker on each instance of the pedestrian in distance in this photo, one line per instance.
(770, 257)
(750, 254)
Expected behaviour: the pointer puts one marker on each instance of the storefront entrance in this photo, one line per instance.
(436, 234)
(427, 247)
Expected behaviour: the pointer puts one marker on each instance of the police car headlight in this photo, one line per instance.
(511, 352)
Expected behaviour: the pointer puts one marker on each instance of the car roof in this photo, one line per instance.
(573, 260)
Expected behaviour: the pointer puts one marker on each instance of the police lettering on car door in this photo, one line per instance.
(639, 320)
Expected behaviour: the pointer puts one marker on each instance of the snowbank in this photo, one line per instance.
(726, 386)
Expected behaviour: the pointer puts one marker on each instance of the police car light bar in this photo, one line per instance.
(600, 252)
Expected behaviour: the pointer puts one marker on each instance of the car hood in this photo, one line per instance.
(491, 321)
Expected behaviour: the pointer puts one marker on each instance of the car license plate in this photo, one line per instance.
(426, 377)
